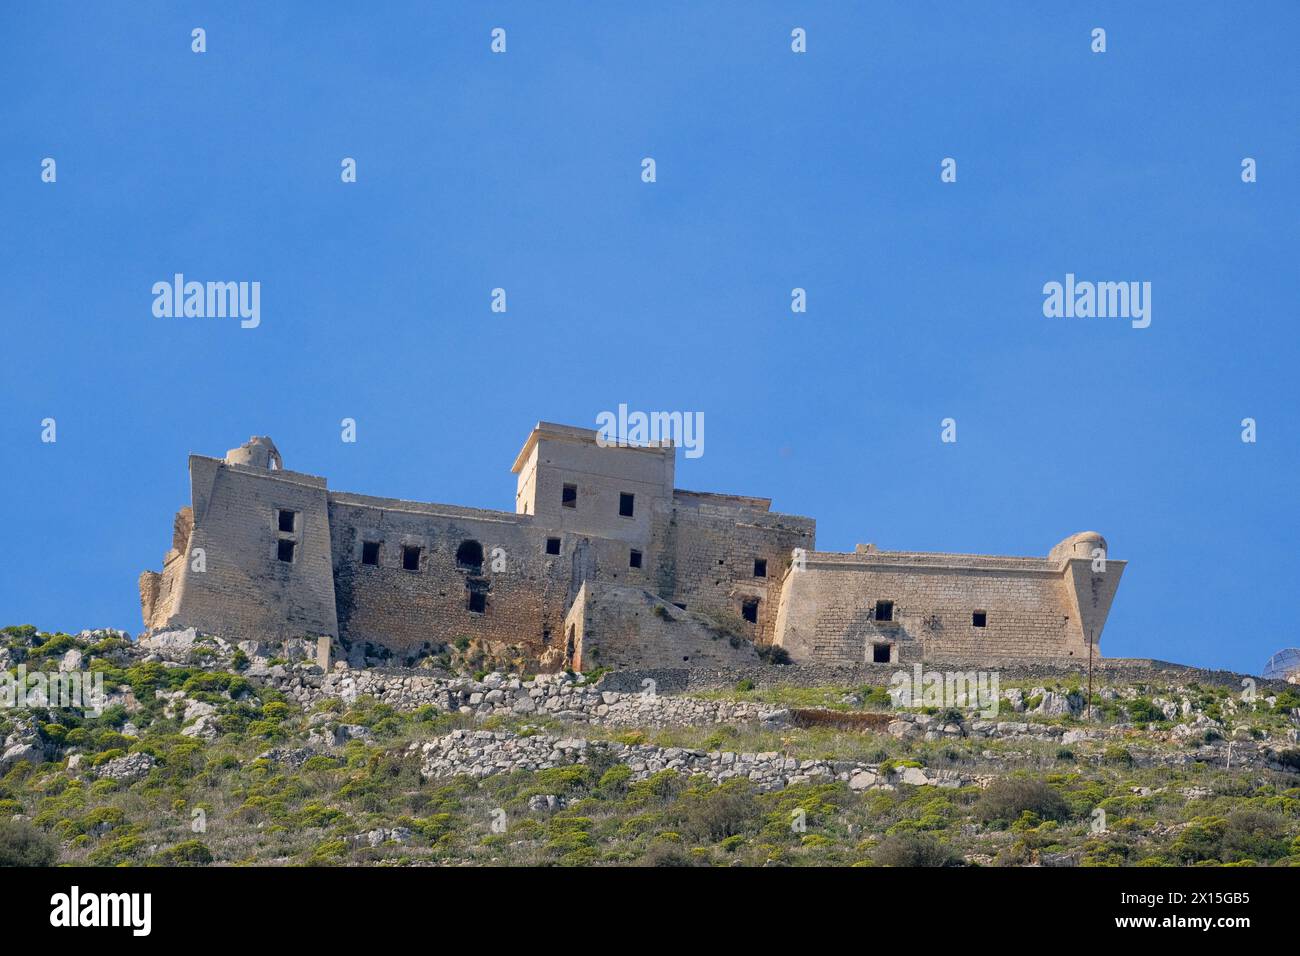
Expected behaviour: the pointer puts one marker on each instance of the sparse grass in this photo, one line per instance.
(254, 811)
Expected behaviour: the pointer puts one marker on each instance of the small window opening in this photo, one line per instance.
(552, 545)
(370, 552)
(749, 610)
(884, 610)
(625, 504)
(760, 567)
(569, 497)
(979, 619)
(634, 559)
(411, 557)
(286, 549)
(478, 601)
(469, 556)
(287, 520)
(880, 653)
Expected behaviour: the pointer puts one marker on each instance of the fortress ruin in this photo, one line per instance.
(603, 562)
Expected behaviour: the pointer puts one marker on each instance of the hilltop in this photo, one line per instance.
(212, 752)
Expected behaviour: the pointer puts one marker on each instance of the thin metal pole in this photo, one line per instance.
(1090, 675)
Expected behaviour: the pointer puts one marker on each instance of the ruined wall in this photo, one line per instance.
(625, 627)
(160, 592)
(704, 550)
(828, 612)
(245, 591)
(524, 596)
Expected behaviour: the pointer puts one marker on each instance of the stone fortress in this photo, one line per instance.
(602, 563)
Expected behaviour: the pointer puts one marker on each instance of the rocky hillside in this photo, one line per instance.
(205, 752)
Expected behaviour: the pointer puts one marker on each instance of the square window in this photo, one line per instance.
(370, 552)
(478, 601)
(749, 610)
(410, 557)
(760, 567)
(286, 520)
(634, 559)
(286, 550)
(884, 610)
(625, 504)
(880, 653)
(552, 545)
(979, 619)
(569, 497)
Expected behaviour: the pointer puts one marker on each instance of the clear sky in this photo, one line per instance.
(775, 170)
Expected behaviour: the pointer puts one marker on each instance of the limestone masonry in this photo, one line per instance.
(603, 563)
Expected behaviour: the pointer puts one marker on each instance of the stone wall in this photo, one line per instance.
(705, 551)
(484, 753)
(524, 590)
(625, 627)
(244, 591)
(942, 606)
(682, 680)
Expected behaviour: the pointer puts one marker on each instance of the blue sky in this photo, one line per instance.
(775, 171)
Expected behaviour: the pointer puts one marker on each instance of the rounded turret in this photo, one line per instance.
(258, 452)
(1081, 545)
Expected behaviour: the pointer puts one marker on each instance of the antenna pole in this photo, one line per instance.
(1090, 675)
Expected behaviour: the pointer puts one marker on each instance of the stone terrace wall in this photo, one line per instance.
(1137, 670)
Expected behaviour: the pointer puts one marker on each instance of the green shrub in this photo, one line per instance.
(1115, 754)
(665, 853)
(189, 853)
(1008, 797)
(914, 849)
(1142, 711)
(21, 844)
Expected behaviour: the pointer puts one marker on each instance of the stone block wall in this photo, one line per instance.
(705, 547)
(245, 592)
(625, 627)
(525, 591)
(828, 611)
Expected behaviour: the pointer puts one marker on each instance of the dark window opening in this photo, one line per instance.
(286, 549)
(569, 497)
(552, 545)
(478, 601)
(760, 567)
(625, 504)
(880, 653)
(682, 606)
(370, 552)
(546, 637)
(411, 557)
(634, 559)
(979, 619)
(884, 610)
(286, 519)
(469, 556)
(749, 610)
